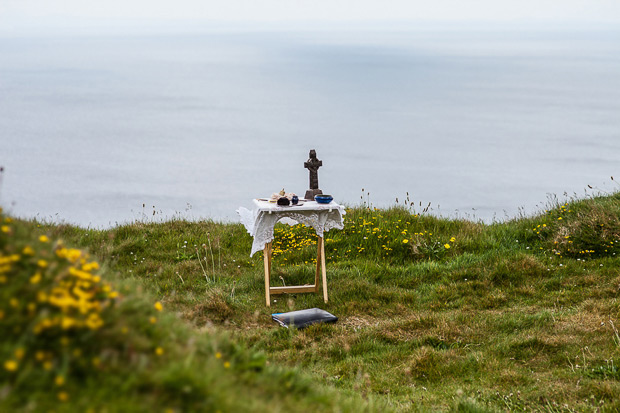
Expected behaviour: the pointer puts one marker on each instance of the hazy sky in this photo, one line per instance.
(32, 14)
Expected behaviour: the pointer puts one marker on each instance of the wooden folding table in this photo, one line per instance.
(260, 223)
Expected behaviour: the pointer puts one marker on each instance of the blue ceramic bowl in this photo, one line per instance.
(323, 199)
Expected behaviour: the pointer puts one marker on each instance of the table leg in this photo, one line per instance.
(317, 278)
(267, 260)
(323, 269)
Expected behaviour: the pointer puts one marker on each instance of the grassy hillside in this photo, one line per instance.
(435, 314)
(79, 338)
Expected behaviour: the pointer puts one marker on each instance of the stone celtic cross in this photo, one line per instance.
(313, 164)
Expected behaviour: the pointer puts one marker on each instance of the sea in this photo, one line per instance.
(484, 125)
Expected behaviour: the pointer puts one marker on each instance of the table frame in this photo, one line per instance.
(314, 288)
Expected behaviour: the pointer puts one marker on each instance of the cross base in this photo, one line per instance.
(310, 193)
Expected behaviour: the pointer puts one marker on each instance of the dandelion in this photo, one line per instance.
(10, 365)
(28, 250)
(153, 320)
(405, 241)
(447, 246)
(158, 306)
(35, 278)
(94, 322)
(227, 364)
(41, 297)
(6, 229)
(159, 351)
(59, 380)
(42, 263)
(44, 238)
(452, 239)
(63, 396)
(90, 266)
(218, 355)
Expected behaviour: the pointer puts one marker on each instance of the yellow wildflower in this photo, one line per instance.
(10, 365)
(7, 219)
(452, 239)
(42, 263)
(153, 320)
(39, 355)
(447, 246)
(13, 302)
(218, 355)
(44, 238)
(94, 322)
(48, 365)
(67, 323)
(82, 275)
(227, 364)
(28, 250)
(90, 266)
(19, 353)
(71, 254)
(6, 229)
(35, 279)
(159, 351)
(405, 241)
(63, 396)
(59, 380)
(158, 306)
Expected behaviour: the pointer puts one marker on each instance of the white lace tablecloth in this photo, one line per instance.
(263, 217)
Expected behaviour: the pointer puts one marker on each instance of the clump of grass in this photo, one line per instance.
(61, 321)
(592, 232)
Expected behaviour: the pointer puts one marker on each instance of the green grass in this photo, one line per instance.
(434, 314)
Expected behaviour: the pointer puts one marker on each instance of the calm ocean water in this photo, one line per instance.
(479, 124)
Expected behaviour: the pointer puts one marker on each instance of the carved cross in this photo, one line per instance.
(313, 165)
